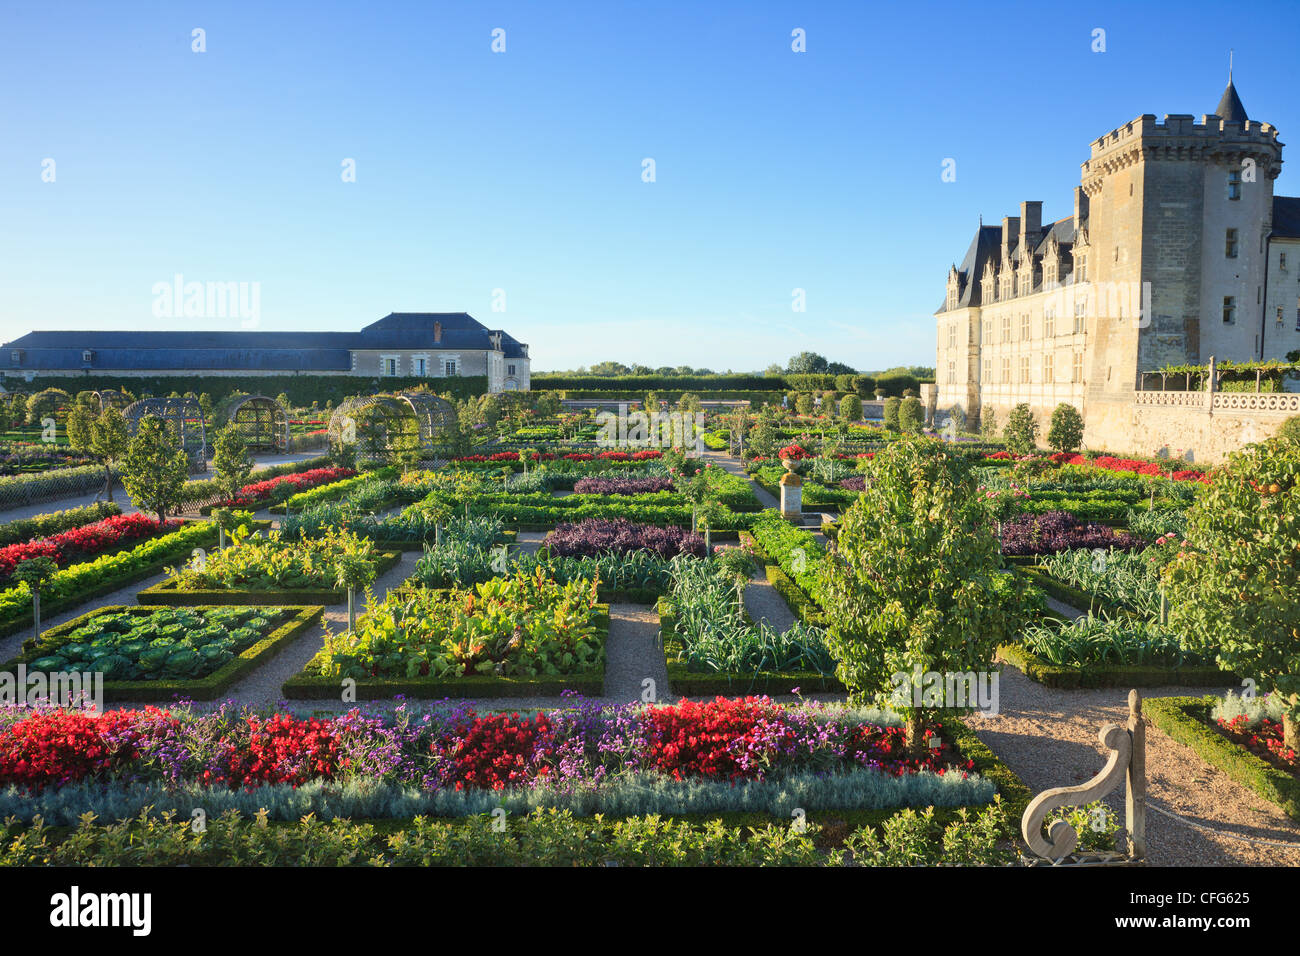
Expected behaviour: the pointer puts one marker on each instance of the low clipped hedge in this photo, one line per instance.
(688, 683)
(19, 490)
(202, 688)
(168, 594)
(802, 606)
(1187, 720)
(1117, 675)
(305, 686)
(103, 575)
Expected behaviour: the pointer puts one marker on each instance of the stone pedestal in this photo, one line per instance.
(791, 494)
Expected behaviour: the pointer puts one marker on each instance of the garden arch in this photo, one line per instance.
(378, 424)
(262, 421)
(184, 420)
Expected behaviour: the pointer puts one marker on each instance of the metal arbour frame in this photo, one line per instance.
(375, 422)
(111, 398)
(261, 420)
(183, 418)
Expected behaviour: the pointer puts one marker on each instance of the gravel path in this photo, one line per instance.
(764, 603)
(1048, 737)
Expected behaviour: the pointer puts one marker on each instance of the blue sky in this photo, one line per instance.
(522, 170)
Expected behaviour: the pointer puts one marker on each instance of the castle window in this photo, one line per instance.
(952, 336)
(988, 366)
(1279, 315)
(1006, 328)
(1048, 368)
(419, 366)
(1083, 268)
(1049, 322)
(1281, 261)
(1234, 184)
(1229, 309)
(16, 356)
(1024, 327)
(1024, 370)
(1230, 244)
(1080, 316)
(449, 366)
(1006, 371)
(510, 370)
(988, 331)
(389, 366)
(1076, 371)
(952, 373)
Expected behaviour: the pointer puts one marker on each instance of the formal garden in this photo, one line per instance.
(505, 629)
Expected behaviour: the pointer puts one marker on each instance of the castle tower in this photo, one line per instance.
(1184, 207)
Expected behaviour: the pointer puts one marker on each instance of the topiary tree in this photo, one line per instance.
(34, 572)
(804, 403)
(232, 465)
(80, 420)
(1232, 589)
(892, 405)
(46, 404)
(851, 408)
(353, 572)
(1021, 433)
(154, 469)
(911, 416)
(988, 423)
(1065, 433)
(913, 585)
(110, 439)
(765, 436)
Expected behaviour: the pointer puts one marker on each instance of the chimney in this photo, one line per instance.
(437, 332)
(1031, 223)
(1080, 207)
(1010, 226)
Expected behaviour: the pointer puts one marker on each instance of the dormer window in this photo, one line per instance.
(16, 357)
(87, 356)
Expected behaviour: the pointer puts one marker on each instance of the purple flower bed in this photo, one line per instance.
(856, 483)
(620, 536)
(621, 486)
(1053, 531)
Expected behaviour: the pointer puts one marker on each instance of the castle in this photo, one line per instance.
(1177, 251)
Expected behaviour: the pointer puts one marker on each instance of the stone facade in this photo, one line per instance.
(1177, 251)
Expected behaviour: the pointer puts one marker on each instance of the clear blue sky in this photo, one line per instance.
(523, 170)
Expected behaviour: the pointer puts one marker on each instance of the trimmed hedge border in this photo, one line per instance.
(51, 607)
(1131, 675)
(1187, 720)
(302, 687)
(803, 607)
(203, 688)
(688, 683)
(165, 593)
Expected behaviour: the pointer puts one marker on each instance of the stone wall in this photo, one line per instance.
(1203, 427)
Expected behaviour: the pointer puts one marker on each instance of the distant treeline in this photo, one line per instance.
(888, 383)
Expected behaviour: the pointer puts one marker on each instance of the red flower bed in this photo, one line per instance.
(795, 452)
(78, 544)
(61, 747)
(499, 750)
(1265, 740)
(999, 456)
(1133, 465)
(284, 749)
(285, 485)
(614, 456)
(712, 738)
(647, 455)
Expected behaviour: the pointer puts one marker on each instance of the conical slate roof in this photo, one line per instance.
(1230, 108)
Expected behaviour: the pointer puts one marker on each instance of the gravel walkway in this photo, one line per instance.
(764, 603)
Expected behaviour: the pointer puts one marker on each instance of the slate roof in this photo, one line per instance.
(255, 351)
(1230, 107)
(987, 246)
(1286, 217)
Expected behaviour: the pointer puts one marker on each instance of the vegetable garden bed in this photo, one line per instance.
(273, 629)
(306, 686)
(688, 683)
(169, 594)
